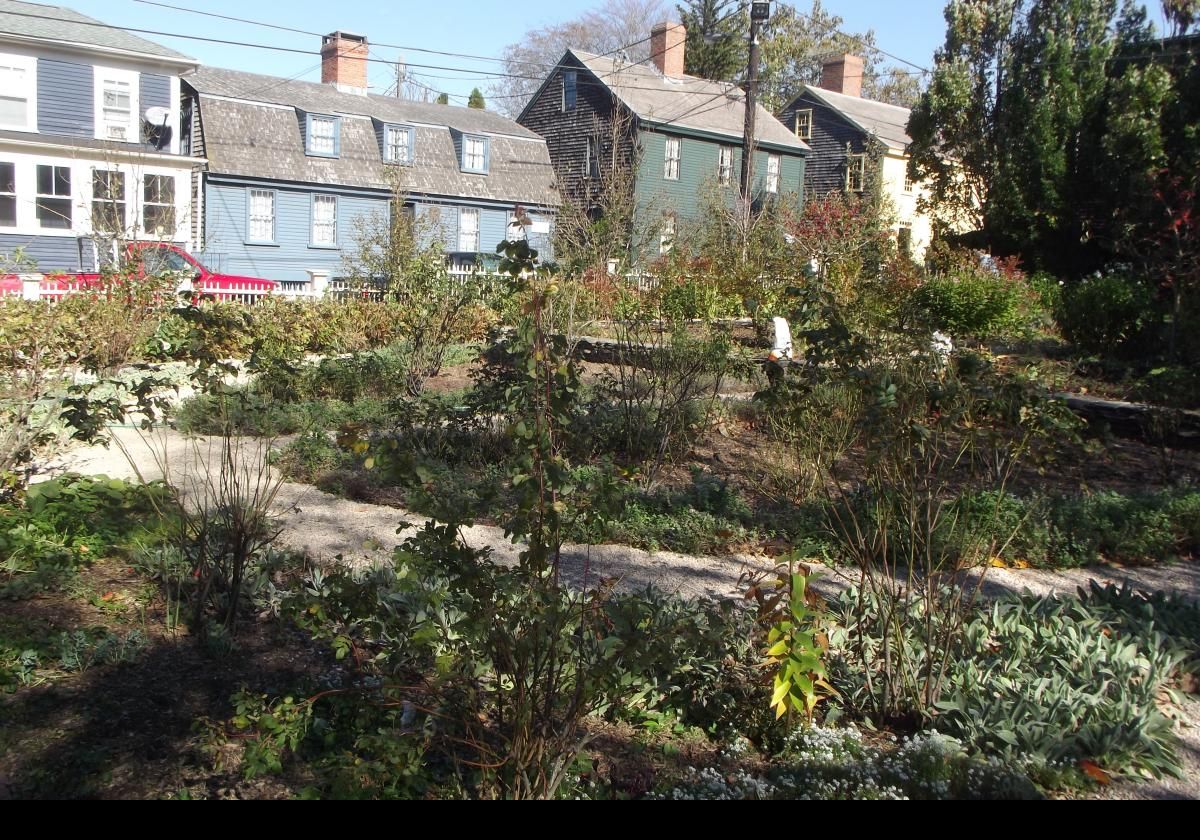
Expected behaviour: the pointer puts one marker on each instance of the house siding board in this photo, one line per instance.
(698, 173)
(155, 91)
(66, 101)
(51, 253)
(291, 257)
(825, 171)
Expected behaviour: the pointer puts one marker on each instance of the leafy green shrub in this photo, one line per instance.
(1142, 528)
(1064, 680)
(976, 303)
(65, 524)
(1108, 314)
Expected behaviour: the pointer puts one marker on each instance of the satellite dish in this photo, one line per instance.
(157, 115)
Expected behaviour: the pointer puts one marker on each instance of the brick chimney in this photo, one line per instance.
(344, 61)
(843, 74)
(667, 48)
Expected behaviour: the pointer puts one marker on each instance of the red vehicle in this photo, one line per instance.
(151, 258)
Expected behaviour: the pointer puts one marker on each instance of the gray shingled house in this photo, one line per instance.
(292, 166)
(682, 134)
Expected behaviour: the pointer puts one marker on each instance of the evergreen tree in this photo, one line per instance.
(717, 38)
(475, 100)
(443, 99)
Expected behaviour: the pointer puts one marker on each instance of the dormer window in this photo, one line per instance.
(475, 154)
(323, 135)
(398, 144)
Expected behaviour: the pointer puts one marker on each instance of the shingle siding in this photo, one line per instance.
(826, 169)
(566, 132)
(66, 101)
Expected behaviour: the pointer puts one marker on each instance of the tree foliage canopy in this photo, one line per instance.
(1052, 122)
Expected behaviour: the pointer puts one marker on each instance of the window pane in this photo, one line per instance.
(262, 215)
(13, 110)
(324, 220)
(54, 213)
(8, 211)
(8, 172)
(45, 180)
(322, 135)
(468, 230)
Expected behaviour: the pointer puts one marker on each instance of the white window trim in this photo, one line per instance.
(666, 237)
(28, 65)
(671, 163)
(774, 171)
(725, 173)
(463, 213)
(70, 197)
(312, 221)
(133, 128)
(251, 239)
(172, 233)
(124, 201)
(856, 161)
(807, 133)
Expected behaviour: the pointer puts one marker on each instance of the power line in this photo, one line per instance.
(426, 50)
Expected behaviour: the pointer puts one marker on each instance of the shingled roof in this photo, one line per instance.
(716, 108)
(252, 123)
(60, 24)
(889, 123)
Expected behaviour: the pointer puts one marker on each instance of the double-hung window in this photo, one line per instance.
(260, 214)
(592, 164)
(725, 166)
(908, 183)
(397, 144)
(468, 230)
(856, 172)
(475, 155)
(108, 202)
(773, 163)
(323, 135)
(117, 116)
(804, 121)
(671, 163)
(666, 236)
(158, 205)
(8, 194)
(18, 92)
(53, 204)
(324, 221)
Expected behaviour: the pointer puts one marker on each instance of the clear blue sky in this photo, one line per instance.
(910, 30)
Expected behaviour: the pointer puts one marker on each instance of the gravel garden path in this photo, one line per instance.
(326, 528)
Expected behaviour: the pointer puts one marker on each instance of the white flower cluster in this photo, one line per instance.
(711, 783)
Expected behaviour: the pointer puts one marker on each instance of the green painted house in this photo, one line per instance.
(668, 140)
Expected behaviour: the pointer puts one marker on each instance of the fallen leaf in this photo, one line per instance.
(1093, 770)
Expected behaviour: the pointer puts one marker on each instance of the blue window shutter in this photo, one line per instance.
(412, 145)
(337, 137)
(487, 155)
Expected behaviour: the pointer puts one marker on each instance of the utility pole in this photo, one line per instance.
(759, 13)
